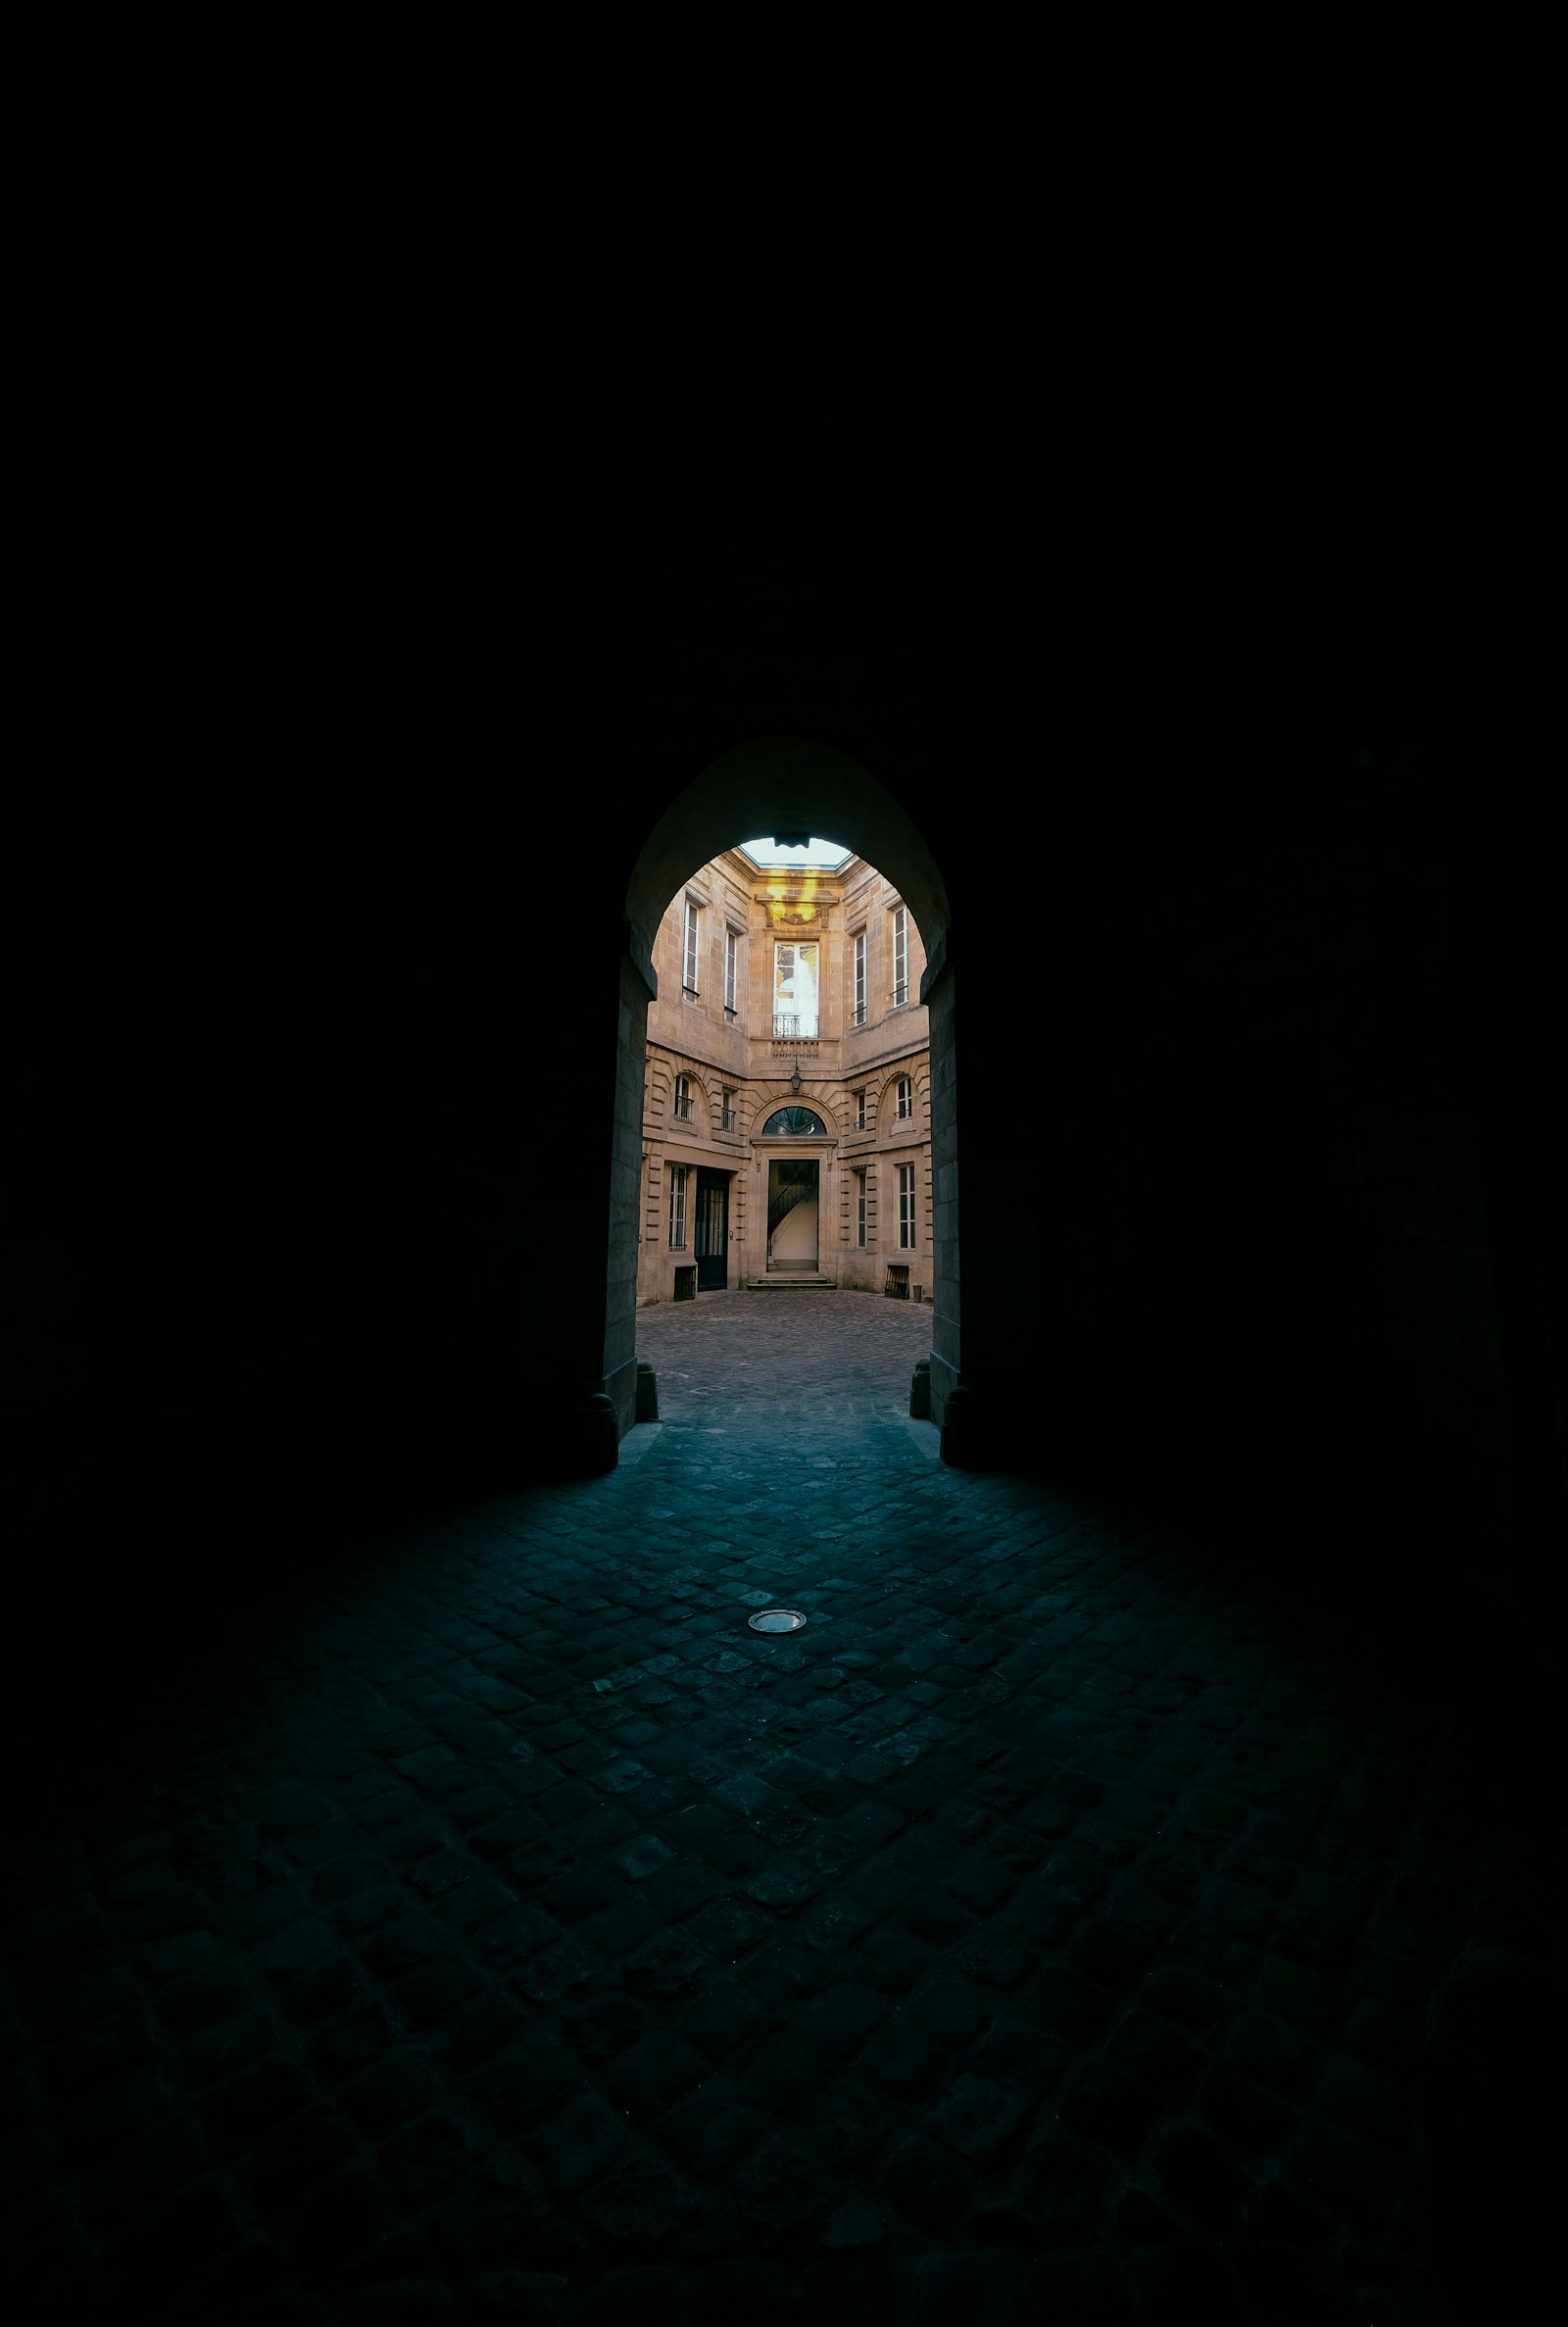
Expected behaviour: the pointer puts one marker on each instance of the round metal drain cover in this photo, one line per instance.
(776, 1619)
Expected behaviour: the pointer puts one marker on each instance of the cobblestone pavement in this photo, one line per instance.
(501, 1930)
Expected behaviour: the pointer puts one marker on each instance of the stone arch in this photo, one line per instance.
(698, 1076)
(827, 1103)
(885, 1122)
(747, 787)
(823, 1114)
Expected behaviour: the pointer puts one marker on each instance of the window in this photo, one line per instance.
(901, 955)
(859, 1111)
(906, 1098)
(727, 1118)
(793, 1122)
(860, 977)
(905, 1206)
(795, 991)
(859, 1209)
(683, 1098)
(677, 1205)
(693, 950)
(732, 947)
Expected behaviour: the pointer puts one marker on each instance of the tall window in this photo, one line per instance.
(906, 1098)
(859, 1111)
(901, 953)
(860, 977)
(726, 1121)
(859, 1209)
(677, 1205)
(689, 969)
(795, 991)
(683, 1098)
(905, 1206)
(733, 945)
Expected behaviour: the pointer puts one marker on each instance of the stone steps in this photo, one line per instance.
(789, 1284)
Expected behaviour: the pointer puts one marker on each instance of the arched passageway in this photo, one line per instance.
(776, 782)
(1176, 1837)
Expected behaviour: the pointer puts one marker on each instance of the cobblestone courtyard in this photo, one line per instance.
(498, 1929)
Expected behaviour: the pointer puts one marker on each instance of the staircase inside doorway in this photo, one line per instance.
(793, 1218)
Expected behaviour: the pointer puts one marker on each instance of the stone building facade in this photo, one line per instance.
(787, 1101)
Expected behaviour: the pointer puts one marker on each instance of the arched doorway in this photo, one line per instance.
(799, 785)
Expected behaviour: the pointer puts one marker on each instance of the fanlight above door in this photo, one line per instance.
(794, 1123)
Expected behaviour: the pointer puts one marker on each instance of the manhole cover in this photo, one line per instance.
(776, 1619)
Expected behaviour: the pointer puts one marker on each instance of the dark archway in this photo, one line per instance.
(749, 789)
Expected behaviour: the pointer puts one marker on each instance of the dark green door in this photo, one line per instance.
(712, 1230)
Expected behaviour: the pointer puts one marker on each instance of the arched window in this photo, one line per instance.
(794, 1123)
(905, 1097)
(683, 1098)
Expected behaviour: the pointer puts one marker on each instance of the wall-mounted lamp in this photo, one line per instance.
(795, 1081)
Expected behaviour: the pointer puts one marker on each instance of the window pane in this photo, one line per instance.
(795, 990)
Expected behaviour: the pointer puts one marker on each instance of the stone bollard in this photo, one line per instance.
(598, 1437)
(958, 1435)
(920, 1391)
(647, 1392)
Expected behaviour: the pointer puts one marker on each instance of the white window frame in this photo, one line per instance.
(727, 1111)
(859, 1111)
(900, 955)
(678, 1207)
(797, 947)
(907, 1231)
(683, 1098)
(732, 948)
(860, 977)
(906, 1099)
(859, 1208)
(692, 954)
